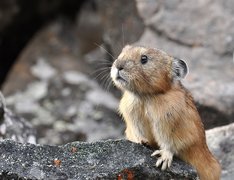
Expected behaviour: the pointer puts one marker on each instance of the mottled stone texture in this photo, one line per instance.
(13, 126)
(110, 159)
(221, 142)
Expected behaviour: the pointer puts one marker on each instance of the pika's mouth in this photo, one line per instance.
(120, 78)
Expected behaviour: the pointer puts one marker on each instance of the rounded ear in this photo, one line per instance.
(179, 69)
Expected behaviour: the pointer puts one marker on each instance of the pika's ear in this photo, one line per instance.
(179, 69)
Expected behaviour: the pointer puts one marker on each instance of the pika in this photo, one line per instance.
(159, 111)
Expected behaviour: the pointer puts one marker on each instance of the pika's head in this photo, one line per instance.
(146, 70)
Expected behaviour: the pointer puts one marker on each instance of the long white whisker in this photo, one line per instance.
(104, 50)
(102, 69)
(109, 85)
(107, 81)
(123, 35)
(102, 73)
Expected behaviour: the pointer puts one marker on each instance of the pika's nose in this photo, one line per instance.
(120, 66)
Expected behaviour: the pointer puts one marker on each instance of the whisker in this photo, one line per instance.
(102, 73)
(104, 50)
(123, 36)
(107, 81)
(105, 74)
(101, 60)
(104, 63)
(109, 84)
(103, 81)
(102, 68)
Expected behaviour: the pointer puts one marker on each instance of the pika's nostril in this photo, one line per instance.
(120, 68)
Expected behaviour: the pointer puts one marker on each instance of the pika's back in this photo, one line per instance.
(146, 70)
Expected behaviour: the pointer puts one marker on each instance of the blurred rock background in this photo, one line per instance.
(55, 57)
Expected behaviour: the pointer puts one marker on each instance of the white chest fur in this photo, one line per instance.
(160, 126)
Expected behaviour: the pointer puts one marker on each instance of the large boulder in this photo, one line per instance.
(221, 142)
(118, 159)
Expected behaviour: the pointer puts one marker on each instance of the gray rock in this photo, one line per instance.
(57, 92)
(14, 127)
(121, 23)
(147, 9)
(206, 23)
(31, 15)
(118, 159)
(88, 22)
(8, 10)
(221, 142)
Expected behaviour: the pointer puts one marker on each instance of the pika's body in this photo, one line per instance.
(159, 111)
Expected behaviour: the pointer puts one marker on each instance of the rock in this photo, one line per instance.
(53, 87)
(16, 11)
(221, 142)
(2, 107)
(121, 23)
(88, 21)
(8, 10)
(110, 159)
(14, 127)
(205, 44)
(31, 15)
(147, 9)
(207, 28)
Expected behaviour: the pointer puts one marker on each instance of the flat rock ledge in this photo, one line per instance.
(111, 159)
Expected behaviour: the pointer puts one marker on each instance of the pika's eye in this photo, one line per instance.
(144, 59)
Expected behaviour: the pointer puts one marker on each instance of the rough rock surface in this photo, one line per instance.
(119, 159)
(14, 127)
(221, 142)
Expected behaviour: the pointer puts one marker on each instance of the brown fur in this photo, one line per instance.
(160, 112)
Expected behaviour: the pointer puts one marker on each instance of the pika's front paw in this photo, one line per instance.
(165, 158)
(145, 143)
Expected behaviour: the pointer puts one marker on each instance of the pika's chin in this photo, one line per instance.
(118, 79)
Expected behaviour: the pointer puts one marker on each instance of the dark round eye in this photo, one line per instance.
(144, 59)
